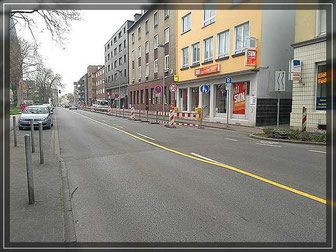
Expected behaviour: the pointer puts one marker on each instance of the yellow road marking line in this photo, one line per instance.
(271, 182)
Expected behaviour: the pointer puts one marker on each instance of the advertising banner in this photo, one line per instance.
(250, 57)
(321, 100)
(239, 98)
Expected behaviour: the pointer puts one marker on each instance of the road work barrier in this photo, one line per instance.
(151, 116)
(304, 119)
(171, 119)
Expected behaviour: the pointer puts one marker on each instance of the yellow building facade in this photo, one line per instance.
(211, 50)
(311, 91)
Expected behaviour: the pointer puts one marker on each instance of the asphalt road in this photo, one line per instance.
(138, 182)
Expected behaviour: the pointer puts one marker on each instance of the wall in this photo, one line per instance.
(224, 19)
(305, 25)
(275, 50)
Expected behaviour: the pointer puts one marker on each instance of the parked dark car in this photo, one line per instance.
(38, 114)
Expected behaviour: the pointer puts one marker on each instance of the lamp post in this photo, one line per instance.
(163, 83)
(120, 72)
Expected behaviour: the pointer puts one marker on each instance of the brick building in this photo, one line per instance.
(100, 83)
(91, 83)
(152, 50)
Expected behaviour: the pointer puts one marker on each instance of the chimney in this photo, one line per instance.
(136, 16)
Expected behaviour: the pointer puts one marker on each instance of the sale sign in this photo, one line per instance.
(239, 97)
(250, 57)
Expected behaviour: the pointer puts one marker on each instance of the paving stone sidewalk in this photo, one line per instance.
(43, 221)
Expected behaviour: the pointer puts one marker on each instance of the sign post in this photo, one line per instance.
(228, 82)
(279, 81)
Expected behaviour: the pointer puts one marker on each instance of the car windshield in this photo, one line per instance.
(36, 110)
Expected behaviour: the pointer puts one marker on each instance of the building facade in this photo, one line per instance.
(310, 49)
(82, 89)
(244, 45)
(152, 50)
(116, 66)
(91, 83)
(100, 83)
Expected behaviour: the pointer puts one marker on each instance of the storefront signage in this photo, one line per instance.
(239, 98)
(321, 101)
(250, 57)
(207, 70)
(295, 70)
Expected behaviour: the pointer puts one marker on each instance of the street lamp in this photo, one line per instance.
(163, 83)
(120, 72)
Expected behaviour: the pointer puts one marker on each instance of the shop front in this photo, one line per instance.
(113, 97)
(238, 98)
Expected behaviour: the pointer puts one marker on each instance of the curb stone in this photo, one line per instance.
(285, 140)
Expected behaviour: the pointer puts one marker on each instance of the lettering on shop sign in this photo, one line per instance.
(239, 98)
(207, 70)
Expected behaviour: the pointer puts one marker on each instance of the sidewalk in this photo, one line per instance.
(43, 221)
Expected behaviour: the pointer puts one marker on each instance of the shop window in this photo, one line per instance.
(194, 98)
(221, 98)
(184, 98)
(239, 98)
(152, 96)
(321, 87)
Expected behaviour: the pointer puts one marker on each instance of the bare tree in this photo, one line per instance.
(46, 81)
(57, 22)
(24, 60)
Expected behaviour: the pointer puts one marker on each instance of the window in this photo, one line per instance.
(156, 20)
(119, 35)
(124, 30)
(133, 55)
(120, 61)
(115, 39)
(115, 64)
(120, 48)
(147, 69)
(321, 21)
(208, 17)
(139, 52)
(133, 74)
(223, 44)
(115, 76)
(166, 13)
(195, 56)
(241, 34)
(139, 69)
(125, 58)
(186, 23)
(185, 57)
(125, 74)
(125, 43)
(166, 62)
(115, 52)
(156, 67)
(147, 47)
(133, 38)
(166, 35)
(156, 41)
(321, 88)
(146, 26)
(139, 33)
(208, 49)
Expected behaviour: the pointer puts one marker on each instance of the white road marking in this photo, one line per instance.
(271, 145)
(144, 136)
(197, 155)
(318, 151)
(231, 139)
(103, 121)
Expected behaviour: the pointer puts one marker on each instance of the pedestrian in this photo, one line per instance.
(22, 107)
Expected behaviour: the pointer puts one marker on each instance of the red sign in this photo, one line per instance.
(251, 57)
(239, 97)
(207, 70)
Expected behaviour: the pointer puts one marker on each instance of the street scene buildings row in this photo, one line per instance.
(192, 48)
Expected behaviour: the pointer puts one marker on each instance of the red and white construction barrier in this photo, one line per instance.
(171, 119)
(109, 111)
(132, 117)
(187, 115)
(304, 118)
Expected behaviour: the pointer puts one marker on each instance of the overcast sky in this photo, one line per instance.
(85, 45)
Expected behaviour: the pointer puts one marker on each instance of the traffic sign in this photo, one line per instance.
(228, 80)
(280, 80)
(204, 88)
(158, 89)
(172, 88)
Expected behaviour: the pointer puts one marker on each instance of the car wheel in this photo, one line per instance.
(20, 128)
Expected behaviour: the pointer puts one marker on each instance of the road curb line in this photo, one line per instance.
(285, 141)
(69, 232)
